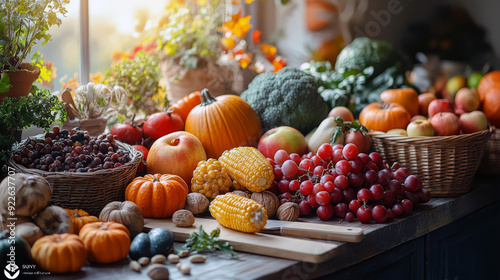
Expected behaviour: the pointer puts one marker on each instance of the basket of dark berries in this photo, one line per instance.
(84, 172)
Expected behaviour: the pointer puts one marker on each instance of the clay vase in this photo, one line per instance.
(21, 80)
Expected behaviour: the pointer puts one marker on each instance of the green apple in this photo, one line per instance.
(420, 128)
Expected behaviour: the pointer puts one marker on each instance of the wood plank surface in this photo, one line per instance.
(264, 244)
(378, 238)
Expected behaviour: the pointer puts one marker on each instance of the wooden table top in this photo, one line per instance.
(425, 218)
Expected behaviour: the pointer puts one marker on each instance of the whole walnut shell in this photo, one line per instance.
(183, 218)
(288, 211)
(269, 200)
(241, 193)
(197, 203)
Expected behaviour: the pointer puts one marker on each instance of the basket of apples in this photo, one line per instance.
(444, 149)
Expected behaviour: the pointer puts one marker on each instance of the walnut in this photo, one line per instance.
(197, 203)
(241, 193)
(269, 200)
(288, 211)
(183, 218)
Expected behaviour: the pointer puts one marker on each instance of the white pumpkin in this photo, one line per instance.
(31, 194)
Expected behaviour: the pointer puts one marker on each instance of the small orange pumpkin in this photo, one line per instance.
(186, 104)
(105, 242)
(406, 97)
(489, 92)
(223, 123)
(158, 196)
(380, 116)
(59, 253)
(79, 218)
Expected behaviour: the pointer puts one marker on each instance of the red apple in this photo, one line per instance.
(361, 140)
(417, 117)
(343, 112)
(467, 99)
(424, 100)
(283, 137)
(176, 153)
(420, 128)
(473, 122)
(439, 105)
(144, 152)
(445, 123)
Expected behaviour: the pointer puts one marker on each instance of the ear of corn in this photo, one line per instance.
(248, 167)
(238, 213)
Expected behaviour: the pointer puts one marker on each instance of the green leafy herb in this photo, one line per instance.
(199, 241)
(353, 88)
(140, 77)
(40, 108)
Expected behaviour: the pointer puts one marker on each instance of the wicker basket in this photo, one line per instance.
(491, 158)
(89, 191)
(446, 164)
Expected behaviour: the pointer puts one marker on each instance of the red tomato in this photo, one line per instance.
(162, 123)
(144, 151)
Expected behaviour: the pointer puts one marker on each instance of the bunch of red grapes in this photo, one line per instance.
(339, 181)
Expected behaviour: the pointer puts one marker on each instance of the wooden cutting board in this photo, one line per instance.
(257, 243)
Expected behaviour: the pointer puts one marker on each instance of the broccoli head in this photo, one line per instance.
(287, 98)
(364, 52)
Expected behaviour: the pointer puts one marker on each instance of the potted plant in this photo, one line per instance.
(23, 23)
(40, 108)
(138, 73)
(188, 40)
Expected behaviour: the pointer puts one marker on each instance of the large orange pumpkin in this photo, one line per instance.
(105, 242)
(59, 253)
(186, 104)
(489, 92)
(380, 116)
(79, 218)
(406, 97)
(158, 196)
(223, 123)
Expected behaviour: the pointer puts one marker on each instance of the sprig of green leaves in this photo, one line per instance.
(342, 126)
(199, 241)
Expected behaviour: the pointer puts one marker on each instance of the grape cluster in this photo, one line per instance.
(339, 181)
(71, 151)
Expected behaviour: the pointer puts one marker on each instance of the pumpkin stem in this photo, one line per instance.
(206, 98)
(75, 214)
(104, 227)
(385, 106)
(169, 111)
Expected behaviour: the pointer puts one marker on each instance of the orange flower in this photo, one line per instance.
(269, 51)
(119, 56)
(278, 64)
(238, 25)
(96, 78)
(256, 37)
(228, 43)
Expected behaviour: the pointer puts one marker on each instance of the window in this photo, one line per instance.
(114, 25)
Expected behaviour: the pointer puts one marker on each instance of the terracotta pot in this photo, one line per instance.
(21, 80)
(220, 78)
